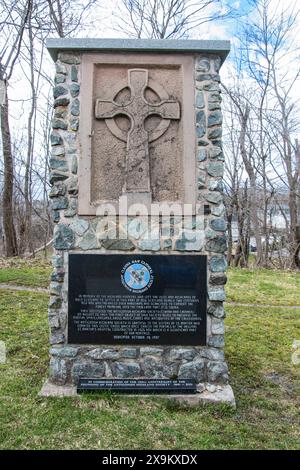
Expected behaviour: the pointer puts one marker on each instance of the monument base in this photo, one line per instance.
(208, 393)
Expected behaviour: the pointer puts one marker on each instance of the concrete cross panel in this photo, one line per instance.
(137, 109)
(137, 130)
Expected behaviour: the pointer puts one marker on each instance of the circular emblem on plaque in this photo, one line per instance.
(137, 276)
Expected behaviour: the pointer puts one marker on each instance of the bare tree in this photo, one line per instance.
(67, 16)
(262, 90)
(236, 191)
(166, 19)
(12, 28)
(270, 48)
(24, 26)
(242, 110)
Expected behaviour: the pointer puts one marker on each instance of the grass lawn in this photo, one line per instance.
(265, 382)
(33, 272)
(263, 286)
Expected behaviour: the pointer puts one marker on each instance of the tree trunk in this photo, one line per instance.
(229, 237)
(253, 188)
(293, 225)
(254, 219)
(10, 238)
(30, 144)
(297, 251)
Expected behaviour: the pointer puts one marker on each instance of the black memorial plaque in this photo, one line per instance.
(178, 386)
(137, 299)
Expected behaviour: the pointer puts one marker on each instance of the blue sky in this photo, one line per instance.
(243, 8)
(244, 5)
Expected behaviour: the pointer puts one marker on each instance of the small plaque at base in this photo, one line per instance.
(135, 386)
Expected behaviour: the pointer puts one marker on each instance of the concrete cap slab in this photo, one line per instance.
(220, 47)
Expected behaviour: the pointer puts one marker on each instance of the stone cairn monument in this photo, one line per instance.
(137, 288)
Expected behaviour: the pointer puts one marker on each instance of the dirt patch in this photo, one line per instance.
(282, 381)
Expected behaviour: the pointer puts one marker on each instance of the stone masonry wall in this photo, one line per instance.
(88, 234)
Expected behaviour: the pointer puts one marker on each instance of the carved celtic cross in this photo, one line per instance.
(137, 110)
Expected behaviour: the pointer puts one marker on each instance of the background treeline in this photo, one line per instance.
(260, 85)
